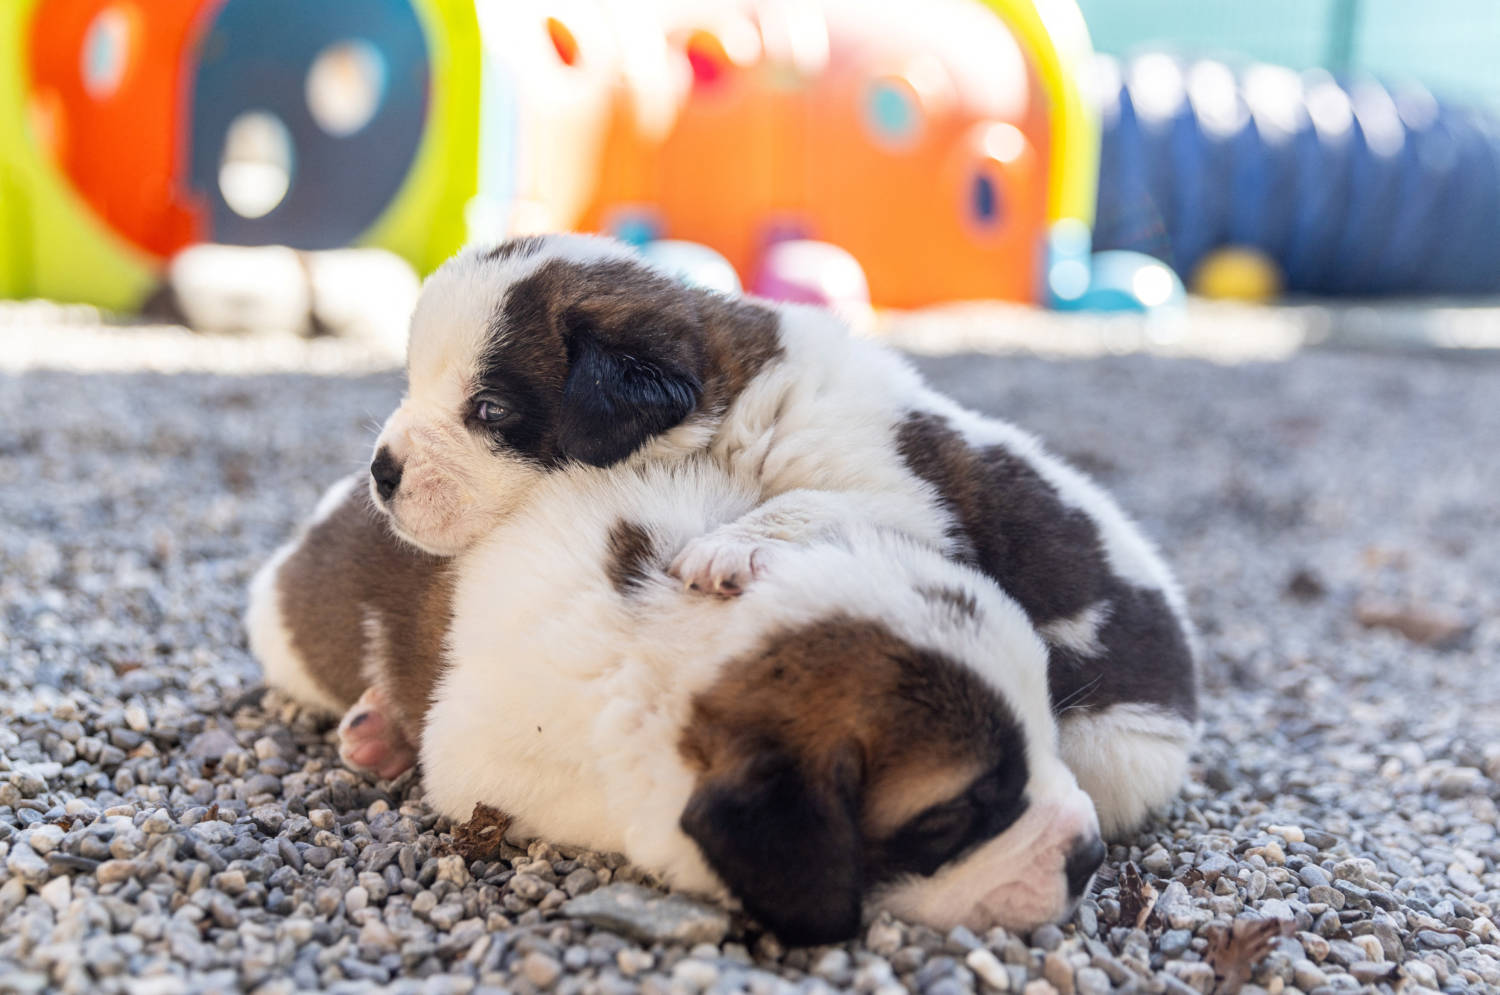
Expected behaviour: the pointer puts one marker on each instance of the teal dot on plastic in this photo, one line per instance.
(636, 228)
(892, 111)
(104, 53)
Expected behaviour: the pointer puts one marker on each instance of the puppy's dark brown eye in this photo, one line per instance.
(490, 412)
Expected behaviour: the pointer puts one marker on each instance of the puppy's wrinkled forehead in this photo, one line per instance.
(502, 305)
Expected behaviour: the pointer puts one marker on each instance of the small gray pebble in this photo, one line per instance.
(1174, 941)
(1368, 972)
(1047, 937)
(580, 882)
(961, 940)
(1314, 876)
(1158, 862)
(26, 864)
(1091, 981)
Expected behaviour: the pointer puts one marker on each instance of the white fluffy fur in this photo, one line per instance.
(1129, 758)
(816, 434)
(824, 418)
(1081, 632)
(565, 701)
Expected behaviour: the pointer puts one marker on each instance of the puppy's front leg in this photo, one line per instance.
(726, 560)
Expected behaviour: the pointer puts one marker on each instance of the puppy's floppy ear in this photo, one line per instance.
(786, 843)
(613, 402)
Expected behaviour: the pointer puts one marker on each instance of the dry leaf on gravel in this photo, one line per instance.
(1429, 625)
(1234, 952)
(1137, 897)
(1305, 585)
(481, 836)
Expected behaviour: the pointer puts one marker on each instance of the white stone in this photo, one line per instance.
(988, 969)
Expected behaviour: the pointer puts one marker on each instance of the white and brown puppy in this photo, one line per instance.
(867, 727)
(556, 350)
(344, 614)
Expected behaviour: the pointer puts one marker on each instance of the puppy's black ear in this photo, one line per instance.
(787, 846)
(613, 402)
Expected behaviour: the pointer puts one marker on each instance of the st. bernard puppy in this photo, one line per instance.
(866, 727)
(553, 351)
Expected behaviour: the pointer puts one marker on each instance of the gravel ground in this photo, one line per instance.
(165, 828)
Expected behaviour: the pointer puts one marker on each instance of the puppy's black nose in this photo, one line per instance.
(386, 473)
(1088, 853)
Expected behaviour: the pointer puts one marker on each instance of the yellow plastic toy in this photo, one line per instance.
(1056, 39)
(1238, 274)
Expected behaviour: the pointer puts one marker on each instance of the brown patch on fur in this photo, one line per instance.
(913, 787)
(819, 692)
(482, 837)
(962, 602)
(741, 340)
(631, 556)
(350, 564)
(722, 341)
(1011, 523)
(839, 756)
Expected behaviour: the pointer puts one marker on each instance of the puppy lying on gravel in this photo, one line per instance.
(867, 726)
(553, 351)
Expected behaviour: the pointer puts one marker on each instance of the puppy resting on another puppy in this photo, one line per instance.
(558, 349)
(866, 727)
(532, 360)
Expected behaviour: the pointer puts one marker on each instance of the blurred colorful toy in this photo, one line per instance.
(811, 272)
(1237, 274)
(1130, 281)
(693, 264)
(918, 139)
(1079, 279)
(1335, 188)
(51, 242)
(935, 144)
(135, 130)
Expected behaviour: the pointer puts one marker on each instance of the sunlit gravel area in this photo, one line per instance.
(165, 827)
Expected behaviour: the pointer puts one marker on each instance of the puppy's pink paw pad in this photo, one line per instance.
(718, 565)
(370, 741)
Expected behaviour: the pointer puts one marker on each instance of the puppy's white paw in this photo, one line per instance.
(370, 740)
(720, 563)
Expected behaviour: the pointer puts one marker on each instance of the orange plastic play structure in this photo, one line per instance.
(107, 104)
(939, 144)
(912, 136)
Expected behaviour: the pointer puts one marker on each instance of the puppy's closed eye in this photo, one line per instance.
(945, 832)
(935, 837)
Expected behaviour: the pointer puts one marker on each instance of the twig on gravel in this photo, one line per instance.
(482, 837)
(1137, 898)
(1233, 952)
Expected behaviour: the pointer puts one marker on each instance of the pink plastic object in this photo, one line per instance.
(809, 272)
